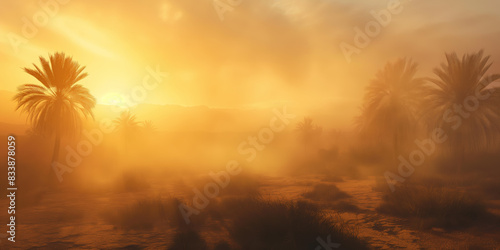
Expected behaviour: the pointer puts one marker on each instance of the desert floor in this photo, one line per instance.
(67, 219)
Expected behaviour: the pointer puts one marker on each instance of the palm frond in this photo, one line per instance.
(58, 104)
(457, 81)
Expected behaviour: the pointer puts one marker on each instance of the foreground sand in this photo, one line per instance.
(67, 219)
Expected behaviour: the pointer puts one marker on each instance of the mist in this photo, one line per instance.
(283, 124)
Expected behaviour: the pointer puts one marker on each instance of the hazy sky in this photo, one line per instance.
(262, 52)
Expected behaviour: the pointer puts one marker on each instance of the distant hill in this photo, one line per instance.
(198, 118)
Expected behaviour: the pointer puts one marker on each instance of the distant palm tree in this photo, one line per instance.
(459, 81)
(148, 126)
(362, 121)
(308, 131)
(128, 126)
(58, 105)
(126, 123)
(390, 102)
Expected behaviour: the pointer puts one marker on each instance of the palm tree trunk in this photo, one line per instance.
(462, 156)
(459, 158)
(57, 145)
(396, 145)
(51, 180)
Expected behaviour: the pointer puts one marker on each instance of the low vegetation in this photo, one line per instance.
(252, 223)
(433, 206)
(275, 224)
(325, 192)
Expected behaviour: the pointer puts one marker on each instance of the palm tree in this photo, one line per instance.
(148, 127)
(127, 125)
(58, 105)
(389, 103)
(308, 131)
(458, 82)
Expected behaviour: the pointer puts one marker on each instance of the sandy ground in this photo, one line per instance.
(65, 220)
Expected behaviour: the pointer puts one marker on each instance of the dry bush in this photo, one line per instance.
(274, 224)
(433, 206)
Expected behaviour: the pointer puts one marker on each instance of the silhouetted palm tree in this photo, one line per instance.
(128, 126)
(308, 132)
(389, 103)
(58, 105)
(462, 84)
(149, 127)
(126, 123)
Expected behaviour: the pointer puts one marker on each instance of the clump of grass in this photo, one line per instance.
(156, 212)
(222, 245)
(490, 186)
(145, 214)
(380, 185)
(326, 192)
(331, 195)
(332, 178)
(31, 197)
(261, 224)
(242, 184)
(188, 240)
(131, 182)
(433, 207)
(346, 206)
(142, 214)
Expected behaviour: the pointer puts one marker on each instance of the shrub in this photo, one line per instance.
(433, 207)
(188, 240)
(325, 192)
(260, 224)
(145, 214)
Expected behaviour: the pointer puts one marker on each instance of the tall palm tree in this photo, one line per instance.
(460, 81)
(58, 105)
(389, 104)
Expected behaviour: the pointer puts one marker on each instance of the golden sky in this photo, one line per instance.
(264, 51)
